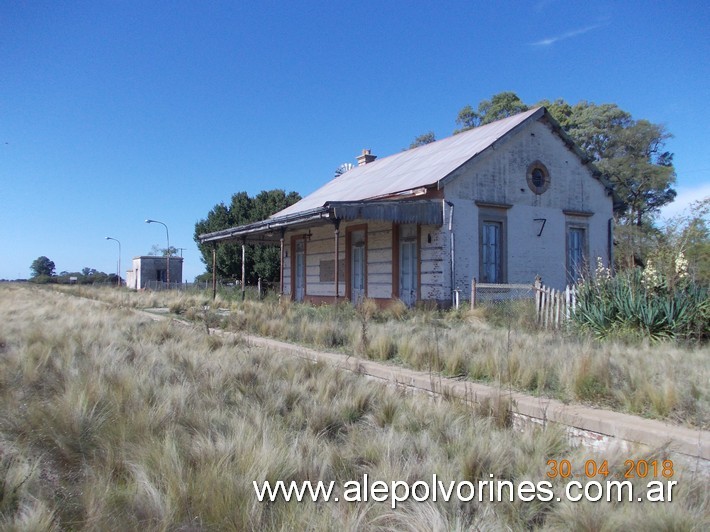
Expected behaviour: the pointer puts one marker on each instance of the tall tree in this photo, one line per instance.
(629, 152)
(501, 105)
(423, 139)
(642, 172)
(593, 127)
(261, 261)
(42, 266)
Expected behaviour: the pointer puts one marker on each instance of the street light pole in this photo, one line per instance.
(167, 233)
(119, 258)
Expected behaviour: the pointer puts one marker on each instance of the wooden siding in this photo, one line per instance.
(321, 246)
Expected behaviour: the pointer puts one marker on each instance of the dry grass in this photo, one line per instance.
(113, 421)
(669, 381)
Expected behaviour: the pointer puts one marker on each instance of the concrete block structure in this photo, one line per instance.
(153, 269)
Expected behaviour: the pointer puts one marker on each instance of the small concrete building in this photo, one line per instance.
(152, 268)
(502, 203)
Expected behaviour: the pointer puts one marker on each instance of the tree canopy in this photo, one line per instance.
(261, 261)
(423, 139)
(159, 251)
(501, 105)
(42, 266)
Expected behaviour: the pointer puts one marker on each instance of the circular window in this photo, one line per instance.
(538, 177)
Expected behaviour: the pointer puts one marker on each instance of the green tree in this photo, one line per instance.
(501, 105)
(423, 139)
(593, 127)
(86, 276)
(42, 266)
(261, 261)
(156, 250)
(629, 152)
(688, 235)
(641, 171)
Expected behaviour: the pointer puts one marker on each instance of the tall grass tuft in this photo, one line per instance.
(111, 421)
(501, 346)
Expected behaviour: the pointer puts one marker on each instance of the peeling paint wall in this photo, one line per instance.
(433, 262)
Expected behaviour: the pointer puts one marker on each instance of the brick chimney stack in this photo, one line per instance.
(365, 158)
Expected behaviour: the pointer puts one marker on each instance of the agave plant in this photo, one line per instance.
(643, 304)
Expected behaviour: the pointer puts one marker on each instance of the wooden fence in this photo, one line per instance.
(554, 307)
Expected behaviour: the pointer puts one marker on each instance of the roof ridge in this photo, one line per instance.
(410, 169)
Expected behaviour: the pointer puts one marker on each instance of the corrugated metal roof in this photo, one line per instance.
(410, 169)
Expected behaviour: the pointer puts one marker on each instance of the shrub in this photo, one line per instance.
(643, 303)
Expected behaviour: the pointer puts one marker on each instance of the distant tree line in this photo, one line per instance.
(43, 272)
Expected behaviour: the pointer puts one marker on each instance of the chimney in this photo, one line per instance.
(365, 158)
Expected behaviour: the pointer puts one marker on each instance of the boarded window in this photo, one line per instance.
(327, 270)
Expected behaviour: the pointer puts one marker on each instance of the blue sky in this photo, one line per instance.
(114, 112)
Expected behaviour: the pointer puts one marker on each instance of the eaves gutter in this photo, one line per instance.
(242, 231)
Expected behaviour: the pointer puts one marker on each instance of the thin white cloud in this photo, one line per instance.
(541, 5)
(574, 33)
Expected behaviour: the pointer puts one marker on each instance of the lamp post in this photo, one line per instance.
(119, 258)
(167, 234)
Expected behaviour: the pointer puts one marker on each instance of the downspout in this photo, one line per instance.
(610, 244)
(336, 224)
(451, 237)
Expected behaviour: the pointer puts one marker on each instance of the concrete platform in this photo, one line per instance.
(591, 426)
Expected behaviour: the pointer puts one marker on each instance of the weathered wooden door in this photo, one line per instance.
(408, 272)
(300, 277)
(357, 267)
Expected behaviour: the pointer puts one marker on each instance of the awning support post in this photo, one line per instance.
(244, 268)
(281, 275)
(336, 223)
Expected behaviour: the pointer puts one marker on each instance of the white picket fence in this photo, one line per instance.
(554, 307)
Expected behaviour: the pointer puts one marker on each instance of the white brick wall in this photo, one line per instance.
(499, 176)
